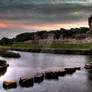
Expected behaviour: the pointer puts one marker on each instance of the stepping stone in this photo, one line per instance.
(70, 70)
(88, 66)
(51, 75)
(61, 72)
(26, 82)
(77, 67)
(10, 84)
(39, 77)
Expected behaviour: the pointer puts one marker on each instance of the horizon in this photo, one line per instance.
(19, 16)
(42, 30)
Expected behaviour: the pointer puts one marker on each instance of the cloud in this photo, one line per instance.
(12, 2)
(45, 14)
(31, 16)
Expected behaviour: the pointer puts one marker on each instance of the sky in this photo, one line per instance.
(18, 16)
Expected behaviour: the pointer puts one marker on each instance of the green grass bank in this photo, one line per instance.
(87, 46)
(82, 49)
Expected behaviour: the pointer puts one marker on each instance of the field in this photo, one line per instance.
(87, 46)
(84, 49)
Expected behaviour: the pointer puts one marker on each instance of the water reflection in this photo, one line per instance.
(89, 71)
(31, 63)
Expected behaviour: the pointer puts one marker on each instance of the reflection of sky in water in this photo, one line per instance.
(31, 63)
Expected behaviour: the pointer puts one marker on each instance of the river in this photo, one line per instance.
(31, 63)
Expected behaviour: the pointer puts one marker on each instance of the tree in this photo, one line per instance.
(24, 37)
(5, 41)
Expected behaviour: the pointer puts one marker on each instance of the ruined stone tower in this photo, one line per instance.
(90, 23)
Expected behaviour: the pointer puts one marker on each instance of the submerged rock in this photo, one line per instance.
(10, 84)
(3, 71)
(26, 81)
(3, 67)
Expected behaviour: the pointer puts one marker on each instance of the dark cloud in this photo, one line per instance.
(9, 2)
(39, 14)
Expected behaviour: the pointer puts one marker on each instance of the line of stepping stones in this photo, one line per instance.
(39, 77)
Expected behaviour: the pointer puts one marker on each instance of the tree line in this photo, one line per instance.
(66, 33)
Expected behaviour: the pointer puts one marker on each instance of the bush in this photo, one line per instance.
(5, 41)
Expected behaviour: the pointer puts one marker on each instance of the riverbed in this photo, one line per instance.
(31, 63)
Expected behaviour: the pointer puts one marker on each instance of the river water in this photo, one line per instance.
(31, 63)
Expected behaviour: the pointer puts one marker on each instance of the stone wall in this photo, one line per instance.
(60, 41)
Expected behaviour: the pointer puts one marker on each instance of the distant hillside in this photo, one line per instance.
(65, 33)
(56, 34)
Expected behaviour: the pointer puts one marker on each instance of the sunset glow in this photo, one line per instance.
(45, 26)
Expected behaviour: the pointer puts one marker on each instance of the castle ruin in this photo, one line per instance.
(90, 23)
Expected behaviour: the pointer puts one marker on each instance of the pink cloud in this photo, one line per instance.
(43, 27)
